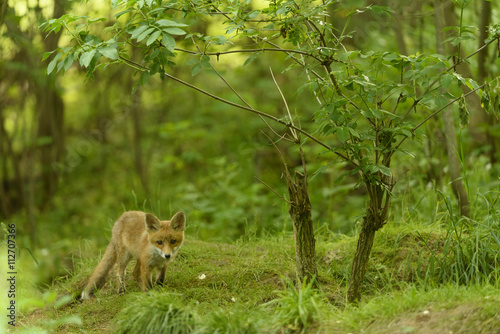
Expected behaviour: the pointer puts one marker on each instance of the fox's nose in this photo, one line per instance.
(167, 256)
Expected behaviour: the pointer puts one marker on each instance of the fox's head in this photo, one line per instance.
(166, 235)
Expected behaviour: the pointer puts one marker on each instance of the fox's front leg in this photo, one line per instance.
(147, 277)
(161, 274)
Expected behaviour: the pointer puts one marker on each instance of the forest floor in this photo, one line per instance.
(249, 287)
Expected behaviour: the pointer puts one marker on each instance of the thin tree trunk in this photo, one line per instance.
(482, 73)
(303, 230)
(16, 190)
(360, 261)
(138, 155)
(444, 15)
(135, 111)
(50, 107)
(375, 218)
(482, 57)
(454, 163)
(398, 30)
(300, 212)
(50, 130)
(5, 205)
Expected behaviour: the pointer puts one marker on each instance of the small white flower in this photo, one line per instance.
(202, 276)
(233, 299)
(426, 312)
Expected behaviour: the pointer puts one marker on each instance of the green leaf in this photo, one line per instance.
(253, 14)
(144, 78)
(109, 52)
(123, 12)
(342, 134)
(196, 69)
(47, 54)
(446, 80)
(472, 84)
(90, 40)
(205, 61)
(86, 58)
(318, 171)
(384, 170)
(282, 10)
(252, 57)
(154, 36)
(168, 42)
(485, 98)
(53, 63)
(341, 176)
(463, 112)
(145, 34)
(60, 65)
(354, 133)
(219, 40)
(372, 112)
(137, 31)
(407, 132)
(174, 31)
(381, 10)
(459, 78)
(68, 61)
(170, 23)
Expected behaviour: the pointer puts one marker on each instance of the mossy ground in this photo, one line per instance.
(238, 279)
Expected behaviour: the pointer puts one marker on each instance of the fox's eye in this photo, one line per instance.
(173, 241)
(159, 242)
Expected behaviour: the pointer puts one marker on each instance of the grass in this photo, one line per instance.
(249, 286)
(472, 309)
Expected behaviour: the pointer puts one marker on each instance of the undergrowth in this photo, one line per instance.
(418, 273)
(250, 286)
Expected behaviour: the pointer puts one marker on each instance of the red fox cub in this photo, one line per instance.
(142, 236)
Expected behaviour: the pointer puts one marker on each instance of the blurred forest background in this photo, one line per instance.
(76, 153)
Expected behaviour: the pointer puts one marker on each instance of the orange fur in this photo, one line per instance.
(142, 236)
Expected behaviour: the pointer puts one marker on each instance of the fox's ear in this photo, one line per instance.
(178, 221)
(152, 223)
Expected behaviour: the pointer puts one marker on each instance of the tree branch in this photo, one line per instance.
(255, 111)
(288, 51)
(437, 112)
(274, 191)
(461, 60)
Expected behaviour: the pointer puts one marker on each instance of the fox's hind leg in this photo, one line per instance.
(137, 272)
(120, 271)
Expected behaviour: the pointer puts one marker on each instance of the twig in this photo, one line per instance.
(274, 191)
(294, 133)
(240, 97)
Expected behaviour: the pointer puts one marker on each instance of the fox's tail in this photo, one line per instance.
(98, 278)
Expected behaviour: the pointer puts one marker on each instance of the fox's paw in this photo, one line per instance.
(85, 295)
